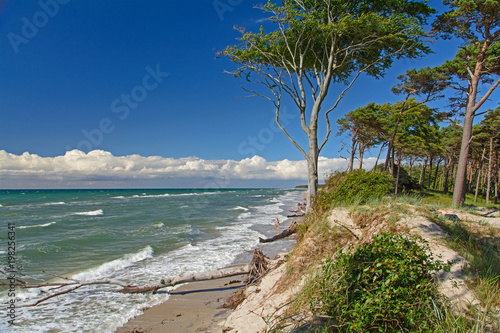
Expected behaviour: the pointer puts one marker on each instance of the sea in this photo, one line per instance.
(135, 235)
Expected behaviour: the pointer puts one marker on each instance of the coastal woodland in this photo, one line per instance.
(319, 49)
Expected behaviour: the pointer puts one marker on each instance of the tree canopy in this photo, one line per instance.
(317, 43)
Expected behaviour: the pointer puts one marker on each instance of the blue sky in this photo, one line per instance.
(141, 77)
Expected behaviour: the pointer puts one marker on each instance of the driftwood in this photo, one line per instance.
(255, 270)
(170, 282)
(289, 231)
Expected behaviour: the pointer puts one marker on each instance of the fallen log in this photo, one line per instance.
(254, 270)
(289, 231)
(204, 276)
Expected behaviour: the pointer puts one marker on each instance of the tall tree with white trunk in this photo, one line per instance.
(321, 47)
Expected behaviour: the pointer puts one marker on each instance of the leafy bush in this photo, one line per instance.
(355, 186)
(383, 286)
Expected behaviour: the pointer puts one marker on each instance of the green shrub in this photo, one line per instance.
(383, 286)
(356, 186)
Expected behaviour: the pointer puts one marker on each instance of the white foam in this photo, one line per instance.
(118, 197)
(244, 215)
(36, 226)
(106, 269)
(240, 208)
(54, 203)
(158, 225)
(91, 213)
(143, 195)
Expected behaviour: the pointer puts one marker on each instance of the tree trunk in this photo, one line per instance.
(422, 173)
(470, 110)
(460, 180)
(436, 174)
(312, 171)
(289, 231)
(397, 176)
(393, 138)
(412, 161)
(496, 185)
(204, 276)
(497, 176)
(255, 270)
(449, 166)
(430, 173)
(361, 153)
(353, 152)
(479, 170)
(378, 156)
(490, 168)
(446, 177)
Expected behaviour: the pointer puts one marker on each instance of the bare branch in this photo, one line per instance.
(486, 96)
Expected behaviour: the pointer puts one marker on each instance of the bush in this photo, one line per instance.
(384, 286)
(355, 186)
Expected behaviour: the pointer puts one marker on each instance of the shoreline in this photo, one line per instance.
(193, 307)
(197, 306)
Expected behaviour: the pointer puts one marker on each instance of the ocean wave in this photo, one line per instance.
(54, 203)
(106, 269)
(244, 216)
(91, 213)
(240, 208)
(144, 195)
(158, 225)
(118, 197)
(36, 226)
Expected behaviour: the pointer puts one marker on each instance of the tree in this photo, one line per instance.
(426, 82)
(320, 43)
(417, 132)
(451, 139)
(362, 125)
(491, 130)
(476, 22)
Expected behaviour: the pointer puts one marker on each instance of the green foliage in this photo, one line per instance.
(368, 35)
(356, 186)
(383, 286)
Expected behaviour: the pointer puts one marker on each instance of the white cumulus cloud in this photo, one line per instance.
(100, 168)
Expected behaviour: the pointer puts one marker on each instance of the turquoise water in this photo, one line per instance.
(132, 235)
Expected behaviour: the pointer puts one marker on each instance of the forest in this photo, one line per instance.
(422, 148)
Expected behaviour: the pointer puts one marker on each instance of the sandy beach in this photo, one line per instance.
(193, 307)
(197, 306)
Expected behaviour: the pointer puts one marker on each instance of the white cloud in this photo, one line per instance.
(100, 168)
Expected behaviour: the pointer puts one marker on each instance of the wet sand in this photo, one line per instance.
(193, 307)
